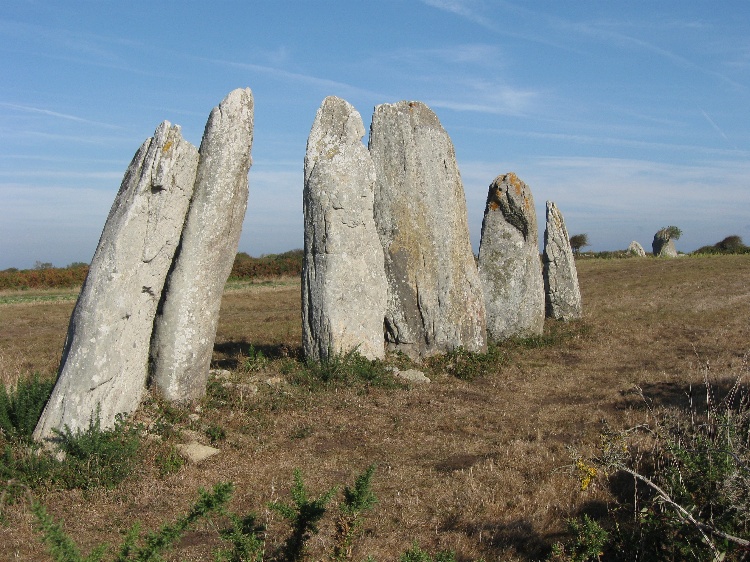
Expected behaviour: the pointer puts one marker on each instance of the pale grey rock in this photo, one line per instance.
(509, 263)
(104, 364)
(562, 293)
(435, 300)
(194, 452)
(663, 245)
(636, 249)
(185, 327)
(412, 375)
(343, 276)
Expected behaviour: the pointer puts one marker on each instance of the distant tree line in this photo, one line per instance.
(45, 276)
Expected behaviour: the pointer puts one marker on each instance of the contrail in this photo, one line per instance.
(715, 126)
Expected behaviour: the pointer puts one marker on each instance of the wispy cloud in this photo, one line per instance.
(323, 83)
(58, 115)
(464, 8)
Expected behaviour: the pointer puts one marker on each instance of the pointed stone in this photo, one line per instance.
(435, 301)
(105, 359)
(185, 327)
(509, 263)
(343, 276)
(562, 294)
(636, 249)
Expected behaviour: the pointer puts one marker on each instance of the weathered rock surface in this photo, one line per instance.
(194, 452)
(435, 300)
(185, 327)
(412, 375)
(343, 278)
(105, 359)
(562, 294)
(663, 245)
(509, 263)
(636, 249)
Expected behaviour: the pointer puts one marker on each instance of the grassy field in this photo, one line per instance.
(480, 466)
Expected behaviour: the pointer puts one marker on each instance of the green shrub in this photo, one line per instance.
(303, 515)
(730, 245)
(98, 457)
(416, 554)
(357, 500)
(692, 498)
(21, 407)
(587, 545)
(246, 537)
(347, 369)
(169, 461)
(468, 365)
(134, 547)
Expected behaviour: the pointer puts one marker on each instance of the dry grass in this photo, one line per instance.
(478, 467)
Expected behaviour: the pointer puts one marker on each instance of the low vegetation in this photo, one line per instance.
(504, 455)
(46, 276)
(729, 245)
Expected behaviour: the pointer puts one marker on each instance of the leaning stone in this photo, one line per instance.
(343, 280)
(509, 262)
(636, 249)
(185, 327)
(435, 301)
(663, 245)
(105, 359)
(562, 294)
(194, 452)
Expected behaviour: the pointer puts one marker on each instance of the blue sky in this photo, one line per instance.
(629, 115)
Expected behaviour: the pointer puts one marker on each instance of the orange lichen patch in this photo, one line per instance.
(167, 146)
(493, 199)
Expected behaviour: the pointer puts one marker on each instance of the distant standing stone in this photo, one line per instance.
(105, 359)
(663, 245)
(636, 249)
(509, 263)
(185, 327)
(562, 294)
(343, 278)
(435, 301)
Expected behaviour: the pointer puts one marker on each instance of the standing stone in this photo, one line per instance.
(636, 249)
(343, 277)
(562, 294)
(509, 263)
(663, 245)
(435, 301)
(185, 327)
(104, 364)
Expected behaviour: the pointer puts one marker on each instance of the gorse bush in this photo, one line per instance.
(344, 369)
(468, 365)
(98, 457)
(244, 538)
(587, 545)
(134, 547)
(21, 407)
(691, 500)
(303, 514)
(91, 458)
